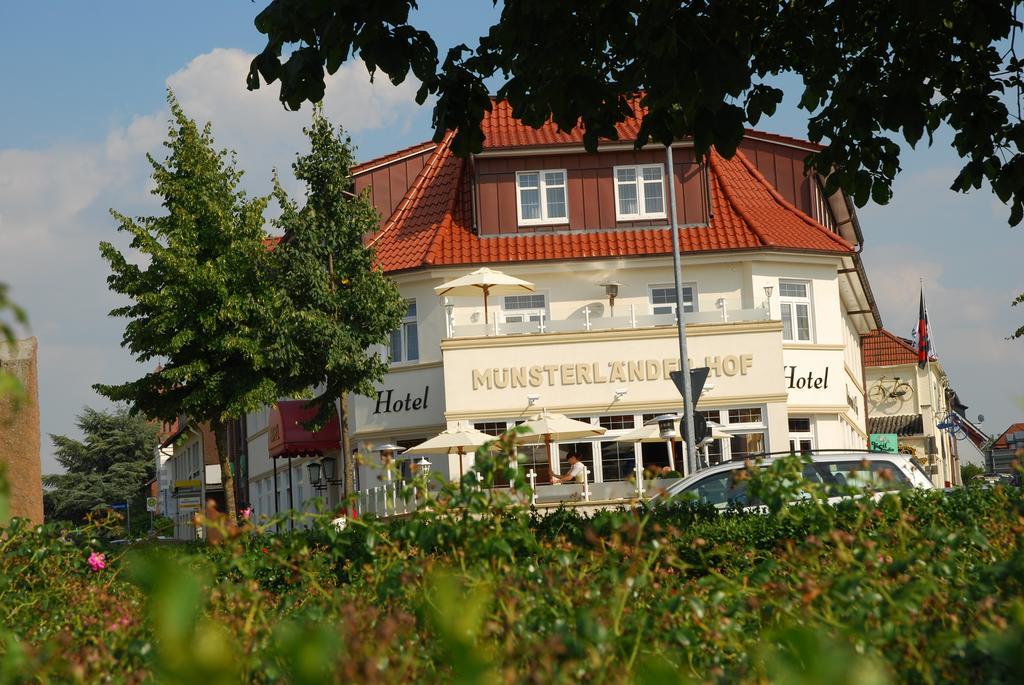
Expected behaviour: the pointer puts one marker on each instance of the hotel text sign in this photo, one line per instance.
(594, 373)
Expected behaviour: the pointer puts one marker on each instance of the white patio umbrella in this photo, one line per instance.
(486, 281)
(453, 440)
(717, 432)
(547, 428)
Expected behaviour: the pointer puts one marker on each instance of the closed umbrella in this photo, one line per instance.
(454, 440)
(486, 281)
(548, 428)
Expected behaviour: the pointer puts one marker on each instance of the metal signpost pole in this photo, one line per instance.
(128, 509)
(684, 361)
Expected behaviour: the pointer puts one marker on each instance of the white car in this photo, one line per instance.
(873, 471)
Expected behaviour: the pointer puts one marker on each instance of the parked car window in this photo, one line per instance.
(875, 475)
(720, 491)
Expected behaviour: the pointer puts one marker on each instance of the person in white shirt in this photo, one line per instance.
(577, 471)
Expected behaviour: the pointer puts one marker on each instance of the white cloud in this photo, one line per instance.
(54, 203)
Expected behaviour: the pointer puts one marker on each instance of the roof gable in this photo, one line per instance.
(881, 348)
(1000, 442)
(432, 225)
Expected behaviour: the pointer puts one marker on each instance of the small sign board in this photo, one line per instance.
(884, 442)
(188, 504)
(121, 506)
(151, 504)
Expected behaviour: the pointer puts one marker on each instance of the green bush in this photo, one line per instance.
(918, 587)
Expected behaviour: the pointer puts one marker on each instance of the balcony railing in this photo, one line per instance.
(398, 498)
(584, 322)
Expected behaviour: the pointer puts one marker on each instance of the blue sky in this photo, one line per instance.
(83, 102)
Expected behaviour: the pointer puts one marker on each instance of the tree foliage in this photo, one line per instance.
(336, 306)
(202, 299)
(11, 316)
(111, 463)
(873, 73)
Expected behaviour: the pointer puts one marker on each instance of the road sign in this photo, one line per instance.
(151, 504)
(188, 504)
(698, 377)
(700, 428)
(122, 506)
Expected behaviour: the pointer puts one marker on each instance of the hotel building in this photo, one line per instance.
(776, 299)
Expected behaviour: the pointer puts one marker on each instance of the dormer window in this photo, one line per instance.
(542, 197)
(639, 192)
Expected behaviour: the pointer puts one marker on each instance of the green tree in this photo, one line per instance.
(872, 72)
(11, 316)
(111, 463)
(969, 471)
(201, 300)
(336, 305)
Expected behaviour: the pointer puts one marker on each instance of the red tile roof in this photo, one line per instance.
(431, 226)
(1000, 443)
(882, 348)
(369, 164)
(786, 140)
(502, 130)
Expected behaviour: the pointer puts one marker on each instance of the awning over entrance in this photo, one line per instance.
(288, 438)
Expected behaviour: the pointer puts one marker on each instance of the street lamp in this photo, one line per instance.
(322, 473)
(387, 454)
(611, 289)
(768, 299)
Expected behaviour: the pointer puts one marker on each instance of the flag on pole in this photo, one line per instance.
(924, 345)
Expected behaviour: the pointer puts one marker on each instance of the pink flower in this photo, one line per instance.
(247, 513)
(97, 562)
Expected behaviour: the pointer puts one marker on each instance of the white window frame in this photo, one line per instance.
(793, 302)
(671, 286)
(408, 322)
(526, 312)
(796, 437)
(641, 202)
(542, 186)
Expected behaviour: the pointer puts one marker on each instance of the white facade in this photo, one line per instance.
(574, 355)
(269, 481)
(935, 449)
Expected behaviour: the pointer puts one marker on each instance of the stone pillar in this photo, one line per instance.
(19, 431)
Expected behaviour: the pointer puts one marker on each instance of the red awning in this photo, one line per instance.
(289, 439)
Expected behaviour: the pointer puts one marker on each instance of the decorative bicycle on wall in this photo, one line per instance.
(887, 392)
(952, 424)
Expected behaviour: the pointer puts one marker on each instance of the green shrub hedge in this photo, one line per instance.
(920, 587)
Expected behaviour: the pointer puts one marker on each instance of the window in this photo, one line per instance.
(746, 446)
(620, 422)
(405, 344)
(520, 308)
(618, 460)
(494, 428)
(795, 308)
(639, 192)
(542, 198)
(801, 441)
(663, 298)
(584, 451)
(745, 415)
